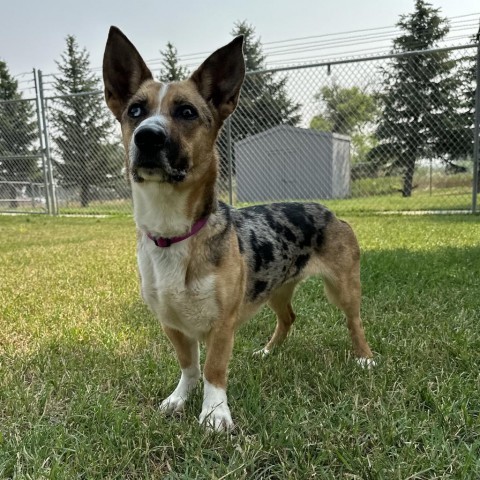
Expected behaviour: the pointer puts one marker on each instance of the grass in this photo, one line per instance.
(83, 365)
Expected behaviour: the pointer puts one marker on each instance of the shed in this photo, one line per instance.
(293, 163)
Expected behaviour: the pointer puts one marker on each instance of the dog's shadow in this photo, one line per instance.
(303, 352)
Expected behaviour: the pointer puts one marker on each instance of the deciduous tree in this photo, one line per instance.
(348, 111)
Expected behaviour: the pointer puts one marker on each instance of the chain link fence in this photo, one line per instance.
(87, 156)
(390, 133)
(357, 136)
(22, 163)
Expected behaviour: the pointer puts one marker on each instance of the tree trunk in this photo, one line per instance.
(408, 178)
(12, 195)
(84, 195)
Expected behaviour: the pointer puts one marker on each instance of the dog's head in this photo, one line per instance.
(169, 129)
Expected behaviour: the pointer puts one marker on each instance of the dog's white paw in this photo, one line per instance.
(367, 363)
(263, 352)
(216, 418)
(173, 404)
(176, 401)
(215, 414)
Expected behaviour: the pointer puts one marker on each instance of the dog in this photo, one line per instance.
(206, 267)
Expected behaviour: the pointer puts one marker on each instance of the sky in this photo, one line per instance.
(32, 33)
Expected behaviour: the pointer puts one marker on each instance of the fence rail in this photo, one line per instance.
(387, 133)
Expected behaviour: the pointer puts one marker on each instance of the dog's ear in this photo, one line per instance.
(219, 78)
(123, 71)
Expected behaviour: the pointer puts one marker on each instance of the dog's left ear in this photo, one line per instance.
(219, 78)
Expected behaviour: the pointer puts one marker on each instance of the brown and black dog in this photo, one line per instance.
(206, 267)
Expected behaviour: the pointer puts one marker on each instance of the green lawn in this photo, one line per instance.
(83, 365)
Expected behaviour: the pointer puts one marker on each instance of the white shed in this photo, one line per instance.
(292, 163)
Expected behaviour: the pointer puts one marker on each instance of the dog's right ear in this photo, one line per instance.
(123, 71)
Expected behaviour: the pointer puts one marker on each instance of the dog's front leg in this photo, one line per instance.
(215, 411)
(187, 353)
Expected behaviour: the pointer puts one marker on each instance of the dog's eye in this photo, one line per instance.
(136, 111)
(186, 112)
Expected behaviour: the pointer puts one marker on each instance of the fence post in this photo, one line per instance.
(47, 146)
(230, 160)
(48, 198)
(476, 133)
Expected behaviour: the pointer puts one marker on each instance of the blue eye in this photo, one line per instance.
(136, 111)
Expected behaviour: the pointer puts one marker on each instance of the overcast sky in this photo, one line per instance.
(32, 33)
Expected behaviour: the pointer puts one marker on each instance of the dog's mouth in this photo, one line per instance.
(158, 165)
(155, 174)
(155, 156)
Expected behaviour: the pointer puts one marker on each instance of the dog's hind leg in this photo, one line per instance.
(345, 294)
(281, 303)
(341, 273)
(188, 358)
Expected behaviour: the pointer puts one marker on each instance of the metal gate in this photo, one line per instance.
(26, 176)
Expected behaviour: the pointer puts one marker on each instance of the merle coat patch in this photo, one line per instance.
(276, 240)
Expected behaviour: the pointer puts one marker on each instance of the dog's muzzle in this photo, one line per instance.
(155, 156)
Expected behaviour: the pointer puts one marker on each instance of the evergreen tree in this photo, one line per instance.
(89, 156)
(470, 90)
(467, 71)
(420, 106)
(18, 132)
(264, 101)
(171, 70)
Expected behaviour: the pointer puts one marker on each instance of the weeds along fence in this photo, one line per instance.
(379, 134)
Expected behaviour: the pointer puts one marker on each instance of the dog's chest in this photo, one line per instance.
(189, 307)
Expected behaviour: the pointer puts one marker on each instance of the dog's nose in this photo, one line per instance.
(150, 137)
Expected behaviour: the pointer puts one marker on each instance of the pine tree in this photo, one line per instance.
(465, 131)
(471, 87)
(89, 155)
(18, 132)
(171, 70)
(264, 100)
(420, 108)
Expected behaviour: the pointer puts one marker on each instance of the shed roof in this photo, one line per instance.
(297, 131)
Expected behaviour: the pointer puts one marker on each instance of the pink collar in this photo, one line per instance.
(164, 242)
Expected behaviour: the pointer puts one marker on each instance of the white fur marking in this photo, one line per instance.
(176, 400)
(191, 308)
(161, 95)
(215, 412)
(263, 352)
(160, 210)
(367, 363)
(157, 120)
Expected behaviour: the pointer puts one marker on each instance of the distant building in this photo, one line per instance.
(292, 163)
